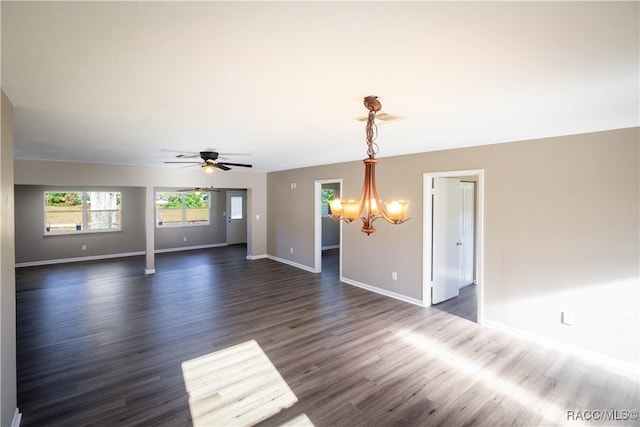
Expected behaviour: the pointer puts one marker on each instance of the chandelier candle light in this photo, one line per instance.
(369, 208)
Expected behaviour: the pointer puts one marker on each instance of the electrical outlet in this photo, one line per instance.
(84, 247)
(184, 239)
(567, 318)
(291, 250)
(394, 275)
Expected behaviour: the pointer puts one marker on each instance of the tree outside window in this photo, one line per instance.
(327, 195)
(82, 211)
(182, 208)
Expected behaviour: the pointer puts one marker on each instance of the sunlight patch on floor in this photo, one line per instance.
(300, 421)
(236, 386)
(476, 372)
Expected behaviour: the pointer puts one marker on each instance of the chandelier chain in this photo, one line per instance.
(372, 134)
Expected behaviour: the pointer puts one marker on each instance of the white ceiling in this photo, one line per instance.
(280, 83)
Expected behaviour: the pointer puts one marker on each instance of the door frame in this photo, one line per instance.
(427, 236)
(317, 223)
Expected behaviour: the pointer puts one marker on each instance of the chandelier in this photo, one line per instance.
(369, 208)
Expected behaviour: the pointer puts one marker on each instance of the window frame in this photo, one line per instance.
(184, 210)
(84, 214)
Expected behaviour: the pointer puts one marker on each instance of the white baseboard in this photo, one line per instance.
(354, 283)
(253, 257)
(190, 248)
(17, 417)
(77, 259)
(291, 263)
(384, 292)
(610, 363)
(324, 248)
(109, 256)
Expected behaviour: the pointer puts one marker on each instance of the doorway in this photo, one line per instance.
(327, 231)
(236, 217)
(448, 262)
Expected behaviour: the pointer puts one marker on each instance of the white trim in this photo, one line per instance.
(427, 185)
(426, 239)
(81, 232)
(189, 248)
(254, 257)
(149, 271)
(85, 258)
(610, 363)
(17, 417)
(291, 263)
(384, 292)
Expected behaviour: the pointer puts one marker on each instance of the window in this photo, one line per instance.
(236, 207)
(182, 208)
(327, 195)
(81, 211)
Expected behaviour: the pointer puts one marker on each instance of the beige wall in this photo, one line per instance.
(561, 227)
(32, 246)
(215, 233)
(8, 392)
(33, 172)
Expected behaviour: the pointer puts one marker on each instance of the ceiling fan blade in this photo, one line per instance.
(182, 154)
(226, 155)
(223, 167)
(184, 163)
(235, 164)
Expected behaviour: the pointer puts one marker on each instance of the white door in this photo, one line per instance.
(447, 244)
(236, 217)
(467, 233)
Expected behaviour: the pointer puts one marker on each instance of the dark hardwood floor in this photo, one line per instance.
(464, 305)
(213, 339)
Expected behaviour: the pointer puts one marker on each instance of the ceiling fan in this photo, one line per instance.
(199, 190)
(210, 162)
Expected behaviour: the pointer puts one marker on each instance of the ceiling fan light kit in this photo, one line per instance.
(369, 208)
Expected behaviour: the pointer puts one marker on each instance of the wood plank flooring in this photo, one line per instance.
(213, 339)
(464, 305)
